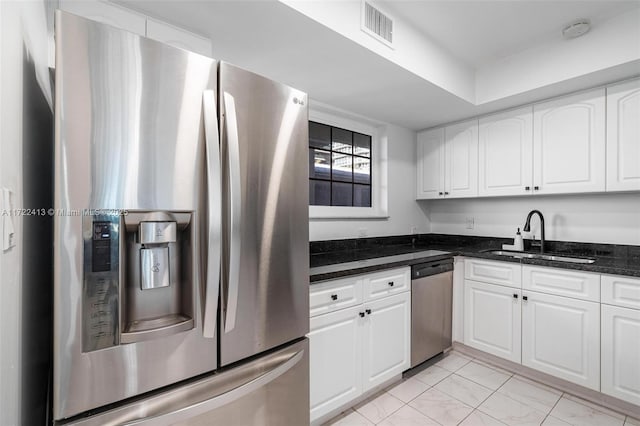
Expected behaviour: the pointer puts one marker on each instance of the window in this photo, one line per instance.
(339, 166)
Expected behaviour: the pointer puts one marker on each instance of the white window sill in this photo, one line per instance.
(324, 212)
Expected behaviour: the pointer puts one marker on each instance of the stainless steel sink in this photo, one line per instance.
(522, 255)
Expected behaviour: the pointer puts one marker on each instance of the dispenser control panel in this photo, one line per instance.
(101, 282)
(101, 247)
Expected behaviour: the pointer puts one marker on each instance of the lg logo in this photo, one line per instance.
(298, 101)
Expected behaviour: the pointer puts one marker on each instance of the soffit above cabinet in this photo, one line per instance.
(422, 80)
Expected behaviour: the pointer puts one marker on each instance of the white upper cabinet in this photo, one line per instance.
(623, 136)
(461, 160)
(506, 153)
(120, 17)
(177, 37)
(569, 144)
(430, 170)
(448, 162)
(107, 13)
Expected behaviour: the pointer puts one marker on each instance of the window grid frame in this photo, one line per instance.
(331, 151)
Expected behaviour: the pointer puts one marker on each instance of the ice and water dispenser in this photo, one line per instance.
(138, 277)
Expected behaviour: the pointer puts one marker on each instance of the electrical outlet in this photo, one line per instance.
(362, 232)
(414, 229)
(470, 222)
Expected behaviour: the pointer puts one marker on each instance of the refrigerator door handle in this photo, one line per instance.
(203, 407)
(235, 194)
(214, 197)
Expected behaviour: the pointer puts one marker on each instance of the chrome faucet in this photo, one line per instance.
(527, 227)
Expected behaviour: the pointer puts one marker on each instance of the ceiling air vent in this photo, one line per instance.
(377, 24)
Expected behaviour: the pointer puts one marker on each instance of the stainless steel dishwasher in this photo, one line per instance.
(431, 309)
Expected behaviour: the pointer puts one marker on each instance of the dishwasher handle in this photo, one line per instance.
(432, 268)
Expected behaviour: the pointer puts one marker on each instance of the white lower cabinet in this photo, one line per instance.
(492, 319)
(561, 337)
(387, 339)
(621, 353)
(335, 345)
(542, 330)
(354, 349)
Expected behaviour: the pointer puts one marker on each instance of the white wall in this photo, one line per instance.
(412, 50)
(10, 142)
(608, 45)
(25, 94)
(594, 218)
(404, 212)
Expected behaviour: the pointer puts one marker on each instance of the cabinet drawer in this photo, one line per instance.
(579, 285)
(385, 283)
(488, 271)
(621, 291)
(332, 295)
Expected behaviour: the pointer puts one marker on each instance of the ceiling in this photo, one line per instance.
(480, 31)
(277, 41)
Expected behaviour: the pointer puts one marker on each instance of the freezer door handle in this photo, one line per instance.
(233, 152)
(214, 197)
(205, 406)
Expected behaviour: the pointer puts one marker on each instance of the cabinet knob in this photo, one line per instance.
(334, 297)
(390, 283)
(515, 295)
(361, 314)
(368, 311)
(525, 298)
(527, 188)
(536, 188)
(440, 193)
(446, 193)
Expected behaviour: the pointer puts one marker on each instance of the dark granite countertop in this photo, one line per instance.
(338, 258)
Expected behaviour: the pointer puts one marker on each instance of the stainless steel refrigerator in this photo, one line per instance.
(180, 237)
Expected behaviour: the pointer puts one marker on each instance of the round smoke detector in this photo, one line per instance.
(576, 28)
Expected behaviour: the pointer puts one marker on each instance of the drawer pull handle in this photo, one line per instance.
(390, 283)
(525, 298)
(334, 297)
(368, 311)
(361, 314)
(515, 295)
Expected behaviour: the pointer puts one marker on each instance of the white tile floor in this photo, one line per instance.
(458, 390)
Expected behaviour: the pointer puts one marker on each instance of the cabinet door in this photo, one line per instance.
(621, 353)
(461, 159)
(387, 339)
(107, 13)
(506, 153)
(430, 167)
(623, 136)
(492, 319)
(178, 38)
(569, 144)
(561, 337)
(335, 359)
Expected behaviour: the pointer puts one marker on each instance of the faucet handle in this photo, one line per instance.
(534, 242)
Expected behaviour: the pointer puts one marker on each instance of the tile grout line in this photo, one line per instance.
(554, 406)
